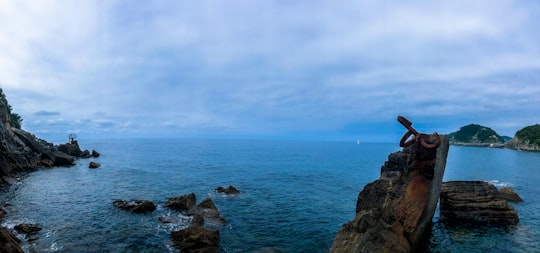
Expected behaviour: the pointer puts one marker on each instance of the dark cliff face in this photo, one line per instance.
(15, 156)
(394, 212)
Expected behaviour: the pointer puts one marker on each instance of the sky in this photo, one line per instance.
(339, 70)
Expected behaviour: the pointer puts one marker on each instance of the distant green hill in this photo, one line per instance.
(527, 138)
(475, 134)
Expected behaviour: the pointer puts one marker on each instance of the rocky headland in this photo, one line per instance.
(474, 135)
(22, 152)
(394, 213)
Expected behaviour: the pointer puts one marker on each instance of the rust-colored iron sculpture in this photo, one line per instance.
(429, 141)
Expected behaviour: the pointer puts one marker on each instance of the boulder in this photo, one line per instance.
(135, 206)
(231, 190)
(196, 240)
(71, 148)
(475, 202)
(94, 165)
(86, 154)
(509, 194)
(62, 159)
(210, 213)
(95, 153)
(8, 242)
(394, 213)
(181, 203)
(27, 228)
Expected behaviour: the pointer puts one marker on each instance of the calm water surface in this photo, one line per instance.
(294, 195)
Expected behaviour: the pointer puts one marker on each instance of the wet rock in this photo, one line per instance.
(95, 153)
(210, 213)
(8, 242)
(509, 194)
(2, 213)
(135, 206)
(86, 154)
(62, 159)
(475, 202)
(164, 219)
(196, 240)
(27, 228)
(231, 190)
(197, 220)
(94, 165)
(182, 203)
(394, 212)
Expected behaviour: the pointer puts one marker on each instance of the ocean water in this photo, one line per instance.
(294, 195)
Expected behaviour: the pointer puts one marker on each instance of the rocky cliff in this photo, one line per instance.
(394, 212)
(21, 152)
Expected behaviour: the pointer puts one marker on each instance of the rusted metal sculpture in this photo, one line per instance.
(429, 141)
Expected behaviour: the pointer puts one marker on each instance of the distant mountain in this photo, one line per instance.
(527, 138)
(475, 134)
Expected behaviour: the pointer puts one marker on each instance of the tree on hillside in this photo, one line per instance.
(530, 134)
(15, 119)
(474, 133)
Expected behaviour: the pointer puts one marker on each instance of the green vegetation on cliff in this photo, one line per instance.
(15, 119)
(475, 134)
(527, 138)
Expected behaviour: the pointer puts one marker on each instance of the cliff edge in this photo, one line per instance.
(394, 213)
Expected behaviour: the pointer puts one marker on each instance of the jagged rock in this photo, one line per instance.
(135, 206)
(208, 210)
(394, 212)
(182, 203)
(95, 153)
(197, 220)
(2, 213)
(475, 202)
(196, 240)
(8, 242)
(94, 165)
(62, 159)
(27, 228)
(71, 148)
(509, 194)
(86, 154)
(231, 190)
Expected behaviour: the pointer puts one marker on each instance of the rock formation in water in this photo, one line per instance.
(475, 202)
(394, 212)
(196, 239)
(135, 206)
(231, 190)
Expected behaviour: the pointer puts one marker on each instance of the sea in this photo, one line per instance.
(294, 195)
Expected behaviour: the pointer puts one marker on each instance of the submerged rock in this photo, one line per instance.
(196, 240)
(94, 165)
(210, 213)
(394, 213)
(181, 203)
(135, 206)
(231, 190)
(475, 202)
(27, 228)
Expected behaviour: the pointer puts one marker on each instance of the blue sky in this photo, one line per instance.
(322, 70)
